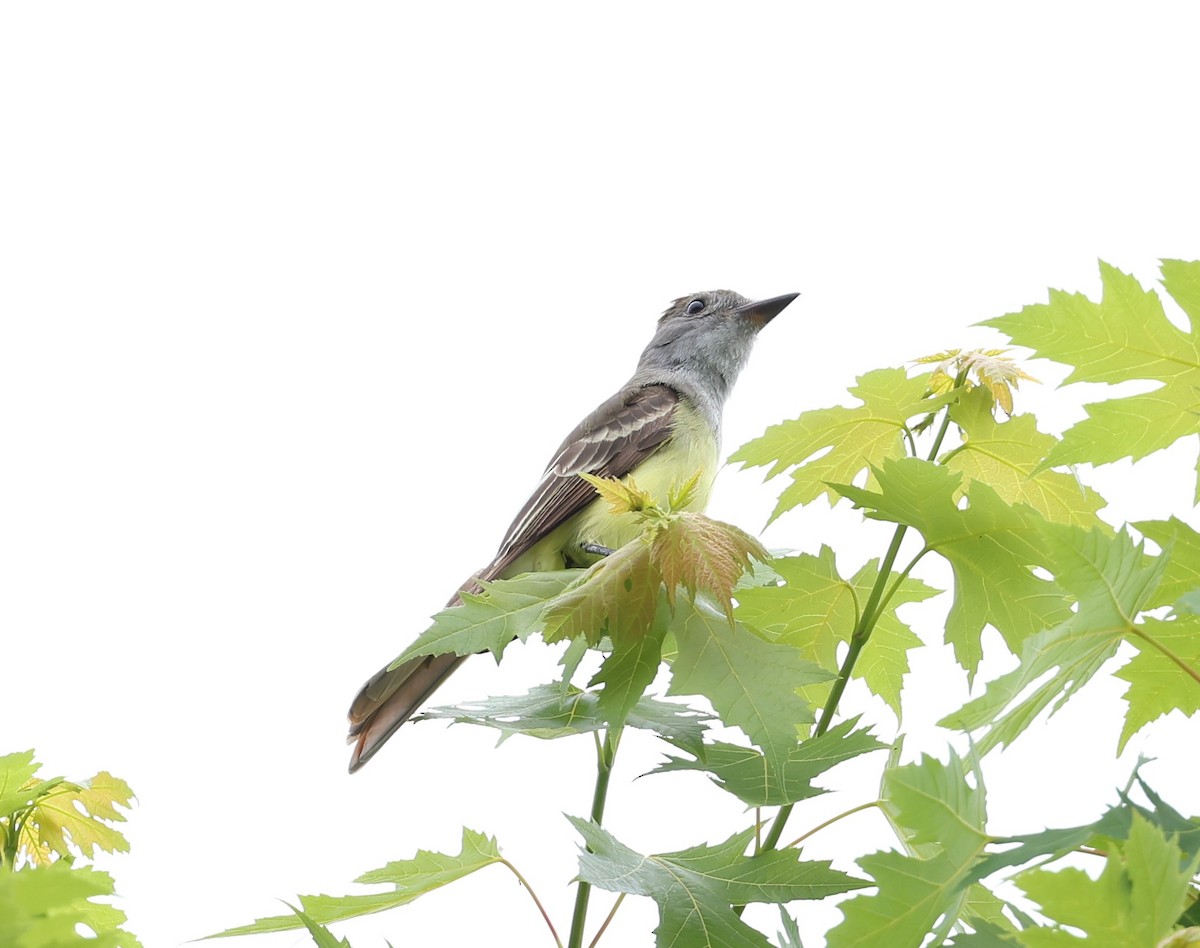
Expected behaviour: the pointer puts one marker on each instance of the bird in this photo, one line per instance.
(660, 428)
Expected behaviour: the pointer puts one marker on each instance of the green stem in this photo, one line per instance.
(829, 822)
(604, 762)
(863, 627)
(607, 918)
(536, 900)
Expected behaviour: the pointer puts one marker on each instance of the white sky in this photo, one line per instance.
(298, 298)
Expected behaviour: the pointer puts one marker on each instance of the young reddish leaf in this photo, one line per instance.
(701, 554)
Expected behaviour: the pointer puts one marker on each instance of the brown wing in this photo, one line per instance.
(610, 442)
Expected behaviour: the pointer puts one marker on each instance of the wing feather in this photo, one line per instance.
(610, 442)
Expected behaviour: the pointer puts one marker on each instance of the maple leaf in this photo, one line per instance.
(623, 496)
(705, 555)
(995, 373)
(941, 819)
(489, 620)
(853, 439)
(615, 597)
(549, 712)
(815, 609)
(1163, 676)
(629, 669)
(1007, 456)
(78, 815)
(1181, 575)
(1134, 902)
(1113, 581)
(1124, 336)
(749, 775)
(408, 878)
(45, 906)
(883, 663)
(752, 683)
(990, 546)
(694, 888)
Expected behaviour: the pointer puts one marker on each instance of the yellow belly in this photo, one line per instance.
(691, 448)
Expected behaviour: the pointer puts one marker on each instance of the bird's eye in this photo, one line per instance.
(695, 307)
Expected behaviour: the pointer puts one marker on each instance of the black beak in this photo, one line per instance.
(762, 312)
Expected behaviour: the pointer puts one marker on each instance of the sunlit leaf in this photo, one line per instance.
(1164, 676)
(1113, 580)
(1124, 336)
(854, 439)
(409, 879)
(990, 545)
(1006, 455)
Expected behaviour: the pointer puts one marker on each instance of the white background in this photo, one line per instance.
(298, 298)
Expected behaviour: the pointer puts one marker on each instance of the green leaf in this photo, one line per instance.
(883, 664)
(1188, 604)
(629, 669)
(990, 547)
(751, 682)
(1112, 580)
(1181, 575)
(1133, 904)
(815, 609)
(790, 936)
(812, 611)
(506, 609)
(694, 888)
(1006, 455)
(409, 879)
(940, 817)
(322, 937)
(40, 907)
(854, 439)
(615, 597)
(1124, 336)
(746, 772)
(549, 711)
(1164, 676)
(16, 780)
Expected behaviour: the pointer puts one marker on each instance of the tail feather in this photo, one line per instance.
(390, 698)
(393, 695)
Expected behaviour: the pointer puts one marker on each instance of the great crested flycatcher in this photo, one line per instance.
(661, 427)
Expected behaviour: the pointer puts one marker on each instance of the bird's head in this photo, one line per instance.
(708, 336)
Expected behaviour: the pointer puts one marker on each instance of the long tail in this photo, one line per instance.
(393, 695)
(390, 698)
